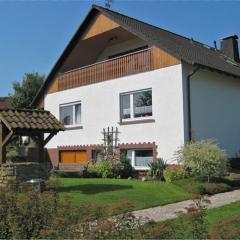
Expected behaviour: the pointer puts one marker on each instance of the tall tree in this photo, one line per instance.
(26, 90)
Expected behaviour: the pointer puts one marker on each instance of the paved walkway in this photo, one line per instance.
(166, 212)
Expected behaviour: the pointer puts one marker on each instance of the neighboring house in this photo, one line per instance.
(4, 103)
(159, 88)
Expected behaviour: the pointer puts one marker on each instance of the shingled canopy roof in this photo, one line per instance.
(183, 48)
(25, 122)
(25, 119)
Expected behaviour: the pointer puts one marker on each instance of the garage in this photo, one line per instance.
(71, 157)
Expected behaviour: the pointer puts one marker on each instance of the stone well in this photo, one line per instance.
(22, 172)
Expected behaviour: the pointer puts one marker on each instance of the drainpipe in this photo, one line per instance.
(189, 102)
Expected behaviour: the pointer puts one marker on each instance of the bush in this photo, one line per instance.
(93, 171)
(204, 158)
(173, 173)
(123, 168)
(157, 168)
(106, 169)
(27, 215)
(197, 186)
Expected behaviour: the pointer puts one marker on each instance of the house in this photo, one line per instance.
(4, 103)
(158, 88)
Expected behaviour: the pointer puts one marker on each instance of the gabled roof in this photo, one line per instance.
(25, 119)
(185, 49)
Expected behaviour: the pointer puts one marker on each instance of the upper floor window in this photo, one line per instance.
(136, 104)
(70, 114)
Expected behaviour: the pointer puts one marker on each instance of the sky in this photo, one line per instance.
(34, 33)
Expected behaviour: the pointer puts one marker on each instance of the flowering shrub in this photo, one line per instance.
(204, 158)
(104, 169)
(173, 172)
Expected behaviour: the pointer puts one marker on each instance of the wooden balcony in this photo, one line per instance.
(137, 62)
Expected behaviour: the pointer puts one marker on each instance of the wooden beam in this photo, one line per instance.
(7, 139)
(49, 137)
(41, 147)
(2, 147)
(6, 123)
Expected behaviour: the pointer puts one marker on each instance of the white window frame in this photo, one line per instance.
(132, 118)
(74, 109)
(132, 160)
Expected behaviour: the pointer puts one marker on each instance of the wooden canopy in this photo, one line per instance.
(27, 122)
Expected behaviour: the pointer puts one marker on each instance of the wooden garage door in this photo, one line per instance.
(79, 157)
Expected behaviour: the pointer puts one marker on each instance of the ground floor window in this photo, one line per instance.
(139, 158)
(96, 156)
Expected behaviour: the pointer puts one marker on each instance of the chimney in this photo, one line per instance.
(229, 46)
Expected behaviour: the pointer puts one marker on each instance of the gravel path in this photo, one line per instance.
(166, 212)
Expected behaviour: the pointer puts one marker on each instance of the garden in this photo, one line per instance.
(98, 203)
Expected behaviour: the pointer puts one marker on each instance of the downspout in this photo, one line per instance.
(189, 102)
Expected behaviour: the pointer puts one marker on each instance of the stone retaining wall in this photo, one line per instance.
(22, 172)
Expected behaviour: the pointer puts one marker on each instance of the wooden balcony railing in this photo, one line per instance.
(137, 62)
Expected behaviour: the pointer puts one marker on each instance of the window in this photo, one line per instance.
(70, 114)
(136, 104)
(139, 158)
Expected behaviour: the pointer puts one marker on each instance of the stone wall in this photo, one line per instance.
(22, 172)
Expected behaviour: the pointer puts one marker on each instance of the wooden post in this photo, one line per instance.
(41, 147)
(2, 146)
(39, 139)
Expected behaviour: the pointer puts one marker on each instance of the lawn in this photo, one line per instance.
(214, 216)
(218, 215)
(114, 192)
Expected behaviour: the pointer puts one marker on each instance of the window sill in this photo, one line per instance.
(141, 168)
(73, 127)
(137, 121)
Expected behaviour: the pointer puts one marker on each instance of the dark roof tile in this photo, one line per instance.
(31, 119)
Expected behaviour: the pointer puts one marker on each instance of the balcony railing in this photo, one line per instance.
(129, 64)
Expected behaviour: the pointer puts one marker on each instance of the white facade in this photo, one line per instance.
(215, 110)
(101, 109)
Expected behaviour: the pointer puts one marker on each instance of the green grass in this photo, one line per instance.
(213, 216)
(218, 215)
(113, 192)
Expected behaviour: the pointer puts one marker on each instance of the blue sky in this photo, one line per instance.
(34, 33)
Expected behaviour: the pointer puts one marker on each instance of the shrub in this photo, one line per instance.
(93, 171)
(213, 188)
(197, 186)
(173, 173)
(157, 168)
(106, 169)
(123, 168)
(27, 215)
(196, 215)
(204, 158)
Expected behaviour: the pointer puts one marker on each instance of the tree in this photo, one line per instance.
(204, 158)
(25, 91)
